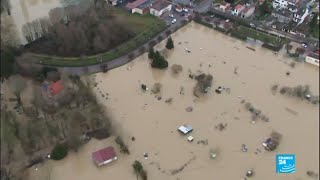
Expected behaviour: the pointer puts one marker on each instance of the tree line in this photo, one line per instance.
(84, 29)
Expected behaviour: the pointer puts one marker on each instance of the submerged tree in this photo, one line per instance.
(151, 53)
(158, 61)
(169, 44)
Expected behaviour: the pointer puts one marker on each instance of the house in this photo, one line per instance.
(223, 6)
(280, 4)
(238, 9)
(134, 6)
(56, 87)
(112, 2)
(185, 129)
(312, 58)
(104, 156)
(248, 11)
(145, 7)
(292, 8)
(283, 16)
(297, 17)
(160, 7)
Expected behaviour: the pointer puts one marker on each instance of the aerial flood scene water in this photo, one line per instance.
(204, 106)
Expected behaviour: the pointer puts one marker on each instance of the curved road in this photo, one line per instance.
(121, 60)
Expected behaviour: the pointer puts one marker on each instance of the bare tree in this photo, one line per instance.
(17, 84)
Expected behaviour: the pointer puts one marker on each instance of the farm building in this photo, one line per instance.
(104, 156)
(160, 7)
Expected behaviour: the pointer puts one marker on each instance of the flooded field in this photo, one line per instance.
(154, 123)
(24, 11)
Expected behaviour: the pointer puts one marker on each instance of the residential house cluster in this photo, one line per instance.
(244, 11)
(154, 7)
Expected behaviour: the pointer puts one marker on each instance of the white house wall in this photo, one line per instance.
(312, 60)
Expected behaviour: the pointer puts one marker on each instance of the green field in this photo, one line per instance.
(145, 27)
(264, 37)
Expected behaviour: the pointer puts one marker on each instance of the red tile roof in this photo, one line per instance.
(103, 155)
(56, 87)
(135, 4)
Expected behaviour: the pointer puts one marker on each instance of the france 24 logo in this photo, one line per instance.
(286, 163)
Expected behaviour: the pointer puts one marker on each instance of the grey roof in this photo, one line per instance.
(290, 6)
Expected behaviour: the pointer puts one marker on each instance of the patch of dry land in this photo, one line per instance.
(154, 123)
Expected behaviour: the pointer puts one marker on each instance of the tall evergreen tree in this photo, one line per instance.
(169, 44)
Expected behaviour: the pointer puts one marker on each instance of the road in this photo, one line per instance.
(313, 43)
(123, 59)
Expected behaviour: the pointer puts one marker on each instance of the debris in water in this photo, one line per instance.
(189, 109)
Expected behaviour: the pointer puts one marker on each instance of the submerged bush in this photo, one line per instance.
(59, 152)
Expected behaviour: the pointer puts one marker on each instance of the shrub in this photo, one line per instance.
(300, 50)
(272, 47)
(151, 53)
(176, 68)
(238, 36)
(158, 61)
(59, 152)
(123, 148)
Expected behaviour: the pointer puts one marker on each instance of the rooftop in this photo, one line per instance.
(146, 4)
(103, 155)
(159, 5)
(135, 4)
(56, 87)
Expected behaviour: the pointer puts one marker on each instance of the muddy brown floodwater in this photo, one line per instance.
(154, 123)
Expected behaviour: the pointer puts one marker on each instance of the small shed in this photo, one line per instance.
(185, 129)
(104, 156)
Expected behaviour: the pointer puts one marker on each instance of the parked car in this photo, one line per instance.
(303, 44)
(252, 25)
(173, 21)
(171, 15)
(185, 9)
(183, 14)
(274, 26)
(228, 20)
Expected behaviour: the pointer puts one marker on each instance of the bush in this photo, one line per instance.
(151, 53)
(176, 68)
(300, 50)
(59, 152)
(272, 47)
(158, 61)
(238, 36)
(219, 29)
(203, 23)
(123, 148)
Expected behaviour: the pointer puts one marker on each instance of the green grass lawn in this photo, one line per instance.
(264, 37)
(145, 26)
